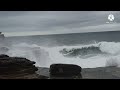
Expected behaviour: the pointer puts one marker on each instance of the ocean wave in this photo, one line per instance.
(90, 56)
(106, 48)
(74, 52)
(32, 52)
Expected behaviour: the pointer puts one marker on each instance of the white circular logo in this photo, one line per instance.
(111, 17)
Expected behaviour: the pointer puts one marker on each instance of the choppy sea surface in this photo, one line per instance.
(88, 50)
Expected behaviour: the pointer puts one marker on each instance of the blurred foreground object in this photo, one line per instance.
(65, 71)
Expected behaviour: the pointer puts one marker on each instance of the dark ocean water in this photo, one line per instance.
(68, 39)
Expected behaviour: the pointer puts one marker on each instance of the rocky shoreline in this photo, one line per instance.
(90, 73)
(22, 68)
(17, 68)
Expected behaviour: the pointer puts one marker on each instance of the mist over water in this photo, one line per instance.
(47, 50)
(44, 56)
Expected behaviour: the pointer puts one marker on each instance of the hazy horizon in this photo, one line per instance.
(24, 23)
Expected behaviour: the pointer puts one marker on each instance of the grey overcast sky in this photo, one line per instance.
(21, 23)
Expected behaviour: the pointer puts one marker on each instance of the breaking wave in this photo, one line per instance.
(99, 54)
(108, 48)
(79, 52)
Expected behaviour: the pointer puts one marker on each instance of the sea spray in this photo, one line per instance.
(32, 52)
(45, 56)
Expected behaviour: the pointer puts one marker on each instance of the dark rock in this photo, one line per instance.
(3, 56)
(21, 76)
(88, 73)
(65, 71)
(16, 67)
(6, 60)
(43, 77)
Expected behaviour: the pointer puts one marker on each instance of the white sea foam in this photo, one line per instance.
(45, 56)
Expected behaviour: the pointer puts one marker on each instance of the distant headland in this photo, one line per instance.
(2, 35)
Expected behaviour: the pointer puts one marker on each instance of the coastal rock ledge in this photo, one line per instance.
(17, 68)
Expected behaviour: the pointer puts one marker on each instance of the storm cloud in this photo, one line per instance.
(20, 23)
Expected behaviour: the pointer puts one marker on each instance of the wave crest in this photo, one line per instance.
(74, 52)
(110, 48)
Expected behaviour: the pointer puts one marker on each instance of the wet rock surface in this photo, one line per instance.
(90, 73)
(22, 68)
(17, 68)
(110, 72)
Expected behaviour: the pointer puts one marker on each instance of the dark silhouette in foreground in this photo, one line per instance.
(17, 68)
(65, 71)
(22, 68)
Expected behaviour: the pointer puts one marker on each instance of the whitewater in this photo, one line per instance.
(45, 56)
